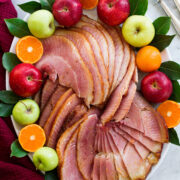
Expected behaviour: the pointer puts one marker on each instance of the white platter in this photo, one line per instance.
(92, 14)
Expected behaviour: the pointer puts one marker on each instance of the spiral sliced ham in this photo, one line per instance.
(96, 168)
(87, 55)
(56, 61)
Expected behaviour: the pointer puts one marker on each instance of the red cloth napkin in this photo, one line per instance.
(10, 168)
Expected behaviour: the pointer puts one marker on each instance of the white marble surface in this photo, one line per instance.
(170, 168)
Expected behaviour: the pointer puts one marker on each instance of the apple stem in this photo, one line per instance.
(28, 109)
(111, 4)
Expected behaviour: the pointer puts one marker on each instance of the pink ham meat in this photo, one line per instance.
(133, 119)
(60, 90)
(116, 97)
(67, 107)
(153, 146)
(154, 125)
(111, 172)
(69, 169)
(85, 146)
(96, 168)
(65, 137)
(111, 46)
(37, 97)
(98, 57)
(119, 51)
(49, 122)
(126, 103)
(103, 167)
(126, 58)
(87, 55)
(48, 89)
(69, 66)
(99, 37)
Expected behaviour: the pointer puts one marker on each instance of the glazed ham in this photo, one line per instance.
(56, 48)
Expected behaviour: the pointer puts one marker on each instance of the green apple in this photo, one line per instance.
(41, 24)
(45, 159)
(138, 31)
(26, 112)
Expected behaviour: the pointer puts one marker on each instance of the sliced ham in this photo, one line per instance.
(137, 168)
(116, 97)
(111, 172)
(85, 146)
(153, 146)
(96, 168)
(126, 58)
(69, 169)
(50, 105)
(67, 107)
(107, 144)
(119, 53)
(126, 103)
(133, 119)
(111, 46)
(154, 125)
(98, 57)
(49, 122)
(66, 136)
(99, 37)
(87, 55)
(62, 58)
(103, 167)
(120, 168)
(37, 97)
(48, 89)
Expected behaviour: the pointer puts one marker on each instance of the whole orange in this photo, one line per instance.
(148, 59)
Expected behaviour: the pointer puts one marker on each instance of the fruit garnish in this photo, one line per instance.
(26, 112)
(45, 159)
(29, 49)
(170, 111)
(89, 4)
(156, 87)
(32, 137)
(148, 59)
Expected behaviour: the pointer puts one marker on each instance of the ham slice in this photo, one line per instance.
(111, 46)
(49, 122)
(67, 107)
(70, 161)
(98, 57)
(50, 105)
(119, 51)
(154, 125)
(66, 136)
(96, 168)
(111, 172)
(116, 97)
(56, 60)
(99, 37)
(126, 103)
(153, 146)
(85, 146)
(48, 89)
(37, 97)
(120, 168)
(87, 55)
(103, 167)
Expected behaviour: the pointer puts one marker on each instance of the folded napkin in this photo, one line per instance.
(11, 168)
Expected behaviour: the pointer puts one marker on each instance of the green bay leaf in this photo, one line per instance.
(176, 91)
(9, 61)
(30, 7)
(138, 7)
(47, 4)
(171, 69)
(173, 137)
(9, 97)
(162, 25)
(17, 27)
(162, 41)
(51, 175)
(6, 110)
(17, 151)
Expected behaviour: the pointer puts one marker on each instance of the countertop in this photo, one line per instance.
(170, 167)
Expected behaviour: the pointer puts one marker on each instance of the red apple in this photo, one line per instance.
(156, 87)
(25, 79)
(67, 12)
(113, 12)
